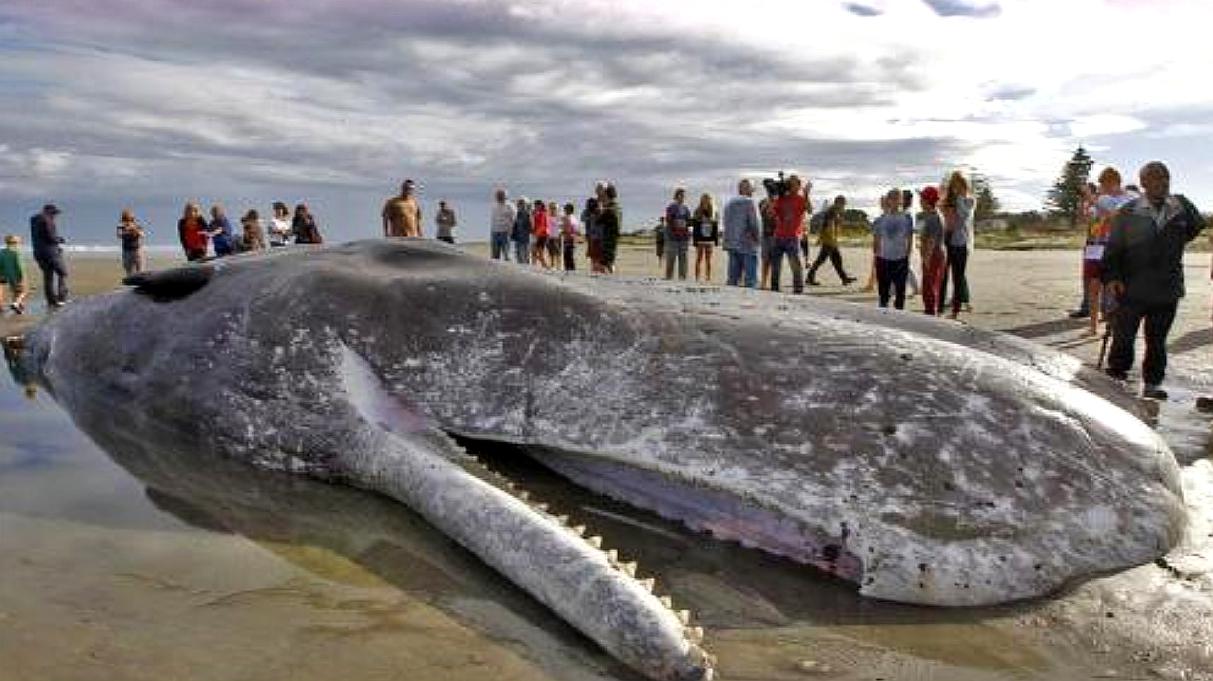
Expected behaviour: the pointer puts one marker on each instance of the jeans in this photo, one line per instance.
(501, 246)
(789, 246)
(522, 252)
(53, 267)
(835, 257)
(932, 282)
(743, 262)
(892, 274)
(676, 250)
(958, 260)
(1127, 319)
(570, 259)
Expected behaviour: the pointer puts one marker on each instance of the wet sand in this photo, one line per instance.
(117, 566)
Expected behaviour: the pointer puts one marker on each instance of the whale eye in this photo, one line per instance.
(174, 284)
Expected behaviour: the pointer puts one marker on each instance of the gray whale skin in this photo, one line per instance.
(925, 461)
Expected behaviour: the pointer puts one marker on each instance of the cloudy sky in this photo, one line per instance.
(147, 103)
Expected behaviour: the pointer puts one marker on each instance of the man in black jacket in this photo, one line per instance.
(45, 240)
(1143, 270)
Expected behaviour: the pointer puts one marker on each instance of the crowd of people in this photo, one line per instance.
(759, 236)
(545, 234)
(1131, 266)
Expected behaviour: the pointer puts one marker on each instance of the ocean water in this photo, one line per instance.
(122, 562)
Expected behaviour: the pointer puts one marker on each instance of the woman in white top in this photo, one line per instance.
(957, 211)
(280, 228)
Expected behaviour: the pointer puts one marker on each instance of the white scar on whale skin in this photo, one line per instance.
(573, 576)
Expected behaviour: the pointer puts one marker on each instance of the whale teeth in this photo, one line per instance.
(524, 495)
(562, 519)
(648, 584)
(628, 569)
(542, 508)
(684, 616)
(612, 556)
(695, 634)
(667, 602)
(595, 541)
(579, 530)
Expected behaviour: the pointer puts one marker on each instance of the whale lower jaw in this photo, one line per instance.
(587, 586)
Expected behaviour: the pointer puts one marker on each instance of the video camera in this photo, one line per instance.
(776, 187)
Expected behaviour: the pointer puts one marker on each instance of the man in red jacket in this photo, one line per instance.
(789, 226)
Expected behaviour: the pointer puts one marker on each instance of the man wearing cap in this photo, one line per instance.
(45, 239)
(402, 214)
(1142, 267)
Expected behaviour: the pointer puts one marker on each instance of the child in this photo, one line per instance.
(11, 273)
(568, 235)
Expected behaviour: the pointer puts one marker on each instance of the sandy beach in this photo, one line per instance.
(268, 576)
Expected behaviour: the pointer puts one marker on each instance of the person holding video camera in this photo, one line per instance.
(790, 206)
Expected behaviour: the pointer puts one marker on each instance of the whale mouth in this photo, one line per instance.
(561, 478)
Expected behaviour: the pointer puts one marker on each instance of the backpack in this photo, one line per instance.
(817, 222)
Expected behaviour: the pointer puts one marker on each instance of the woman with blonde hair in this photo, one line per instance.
(192, 231)
(1107, 202)
(957, 211)
(705, 234)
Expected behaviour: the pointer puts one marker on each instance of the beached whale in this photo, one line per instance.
(927, 462)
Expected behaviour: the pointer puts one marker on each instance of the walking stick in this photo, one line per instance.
(1109, 320)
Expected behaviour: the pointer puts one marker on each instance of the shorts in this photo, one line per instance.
(553, 247)
(1092, 269)
(767, 247)
(541, 242)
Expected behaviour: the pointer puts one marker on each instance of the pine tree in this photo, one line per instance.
(1065, 198)
(987, 203)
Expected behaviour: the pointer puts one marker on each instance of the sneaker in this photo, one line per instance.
(17, 308)
(1153, 392)
(813, 282)
(1079, 314)
(847, 281)
(1117, 375)
(1204, 404)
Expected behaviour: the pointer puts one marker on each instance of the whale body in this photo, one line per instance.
(925, 461)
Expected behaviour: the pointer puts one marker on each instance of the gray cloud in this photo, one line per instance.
(1011, 93)
(862, 10)
(248, 101)
(963, 8)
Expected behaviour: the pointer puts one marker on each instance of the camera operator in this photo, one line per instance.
(790, 207)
